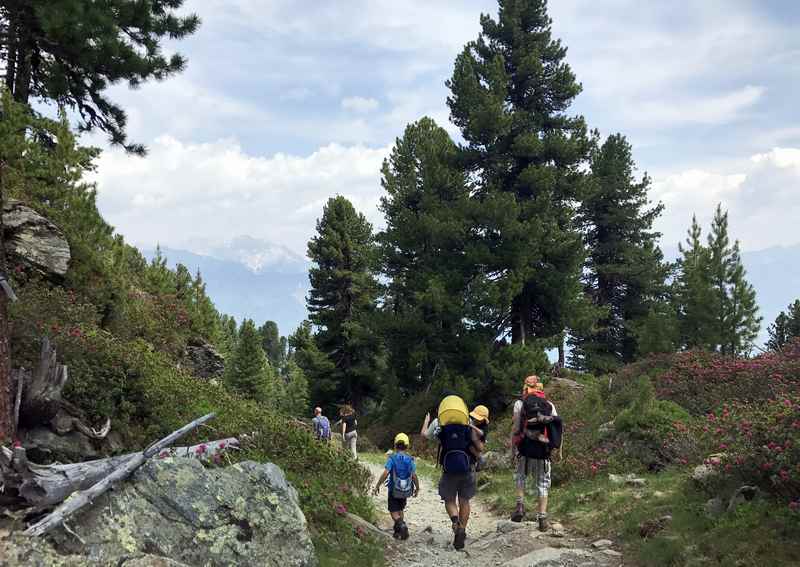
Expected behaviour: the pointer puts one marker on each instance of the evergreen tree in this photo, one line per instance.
(424, 256)
(317, 367)
(296, 398)
(785, 328)
(70, 51)
(248, 372)
(273, 344)
(695, 295)
(624, 272)
(205, 317)
(228, 336)
(716, 304)
(342, 302)
(510, 93)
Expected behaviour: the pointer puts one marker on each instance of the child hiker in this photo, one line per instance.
(401, 470)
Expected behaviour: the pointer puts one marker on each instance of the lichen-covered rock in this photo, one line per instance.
(246, 514)
(33, 242)
(202, 360)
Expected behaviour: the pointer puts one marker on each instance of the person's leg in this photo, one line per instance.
(463, 512)
(448, 491)
(543, 489)
(520, 477)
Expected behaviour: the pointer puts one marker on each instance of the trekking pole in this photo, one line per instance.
(12, 297)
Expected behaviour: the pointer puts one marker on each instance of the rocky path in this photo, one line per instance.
(492, 541)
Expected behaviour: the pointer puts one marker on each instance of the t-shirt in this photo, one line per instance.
(322, 427)
(350, 423)
(401, 464)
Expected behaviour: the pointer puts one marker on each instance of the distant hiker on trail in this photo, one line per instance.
(401, 470)
(322, 427)
(535, 434)
(349, 428)
(460, 447)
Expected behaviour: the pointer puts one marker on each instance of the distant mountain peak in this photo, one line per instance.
(258, 255)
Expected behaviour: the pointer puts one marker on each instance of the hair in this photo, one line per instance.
(400, 445)
(317, 410)
(346, 409)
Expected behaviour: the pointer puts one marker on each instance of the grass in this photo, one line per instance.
(756, 533)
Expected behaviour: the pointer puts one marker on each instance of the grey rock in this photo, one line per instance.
(702, 474)
(507, 526)
(635, 482)
(33, 242)
(246, 514)
(606, 428)
(742, 495)
(612, 553)
(602, 543)
(496, 460)
(714, 507)
(202, 360)
(566, 382)
(44, 445)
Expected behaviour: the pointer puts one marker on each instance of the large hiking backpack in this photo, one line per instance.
(324, 428)
(529, 442)
(455, 440)
(452, 409)
(401, 484)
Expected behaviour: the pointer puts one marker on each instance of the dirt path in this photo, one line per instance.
(491, 540)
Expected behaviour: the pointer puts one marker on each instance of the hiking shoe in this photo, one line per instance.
(519, 513)
(543, 524)
(396, 533)
(460, 538)
(403, 531)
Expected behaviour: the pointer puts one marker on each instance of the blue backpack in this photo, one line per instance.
(323, 428)
(401, 484)
(454, 443)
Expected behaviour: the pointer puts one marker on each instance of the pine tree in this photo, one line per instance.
(424, 256)
(70, 51)
(342, 302)
(296, 398)
(510, 93)
(741, 321)
(318, 369)
(228, 336)
(248, 372)
(273, 344)
(785, 328)
(697, 307)
(624, 272)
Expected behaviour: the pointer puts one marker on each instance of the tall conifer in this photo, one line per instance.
(785, 328)
(510, 94)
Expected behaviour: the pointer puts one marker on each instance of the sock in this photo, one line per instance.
(454, 519)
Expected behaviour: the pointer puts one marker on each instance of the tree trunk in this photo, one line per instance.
(519, 331)
(562, 362)
(6, 407)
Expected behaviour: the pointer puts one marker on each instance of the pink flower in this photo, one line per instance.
(794, 505)
(340, 509)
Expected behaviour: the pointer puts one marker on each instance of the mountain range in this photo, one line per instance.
(252, 278)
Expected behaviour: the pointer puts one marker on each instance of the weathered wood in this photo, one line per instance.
(81, 498)
(359, 522)
(20, 377)
(43, 486)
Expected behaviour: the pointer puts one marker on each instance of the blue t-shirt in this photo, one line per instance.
(400, 464)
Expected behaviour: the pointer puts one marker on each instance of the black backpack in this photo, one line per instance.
(534, 406)
(454, 443)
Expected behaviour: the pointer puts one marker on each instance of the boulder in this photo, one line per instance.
(566, 383)
(46, 446)
(602, 543)
(548, 556)
(496, 461)
(743, 494)
(246, 514)
(703, 474)
(714, 507)
(33, 242)
(202, 360)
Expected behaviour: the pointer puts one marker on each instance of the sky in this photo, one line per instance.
(287, 103)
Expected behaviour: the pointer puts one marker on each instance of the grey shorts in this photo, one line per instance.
(538, 469)
(461, 485)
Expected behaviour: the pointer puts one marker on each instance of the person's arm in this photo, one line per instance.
(515, 421)
(425, 424)
(433, 430)
(381, 480)
(477, 444)
(415, 480)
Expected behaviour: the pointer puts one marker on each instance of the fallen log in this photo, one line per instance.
(81, 498)
(359, 522)
(43, 486)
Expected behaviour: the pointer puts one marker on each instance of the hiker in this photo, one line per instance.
(349, 428)
(479, 421)
(459, 448)
(401, 471)
(535, 435)
(322, 427)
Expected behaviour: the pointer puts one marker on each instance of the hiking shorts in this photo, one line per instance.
(539, 469)
(396, 504)
(457, 485)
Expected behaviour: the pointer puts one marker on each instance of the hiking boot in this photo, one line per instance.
(396, 533)
(403, 531)
(519, 513)
(460, 538)
(543, 523)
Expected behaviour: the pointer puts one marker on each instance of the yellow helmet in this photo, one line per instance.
(402, 438)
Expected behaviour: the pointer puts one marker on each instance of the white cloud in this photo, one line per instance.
(699, 110)
(360, 104)
(762, 196)
(183, 194)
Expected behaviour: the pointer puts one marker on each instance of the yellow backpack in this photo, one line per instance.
(453, 410)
